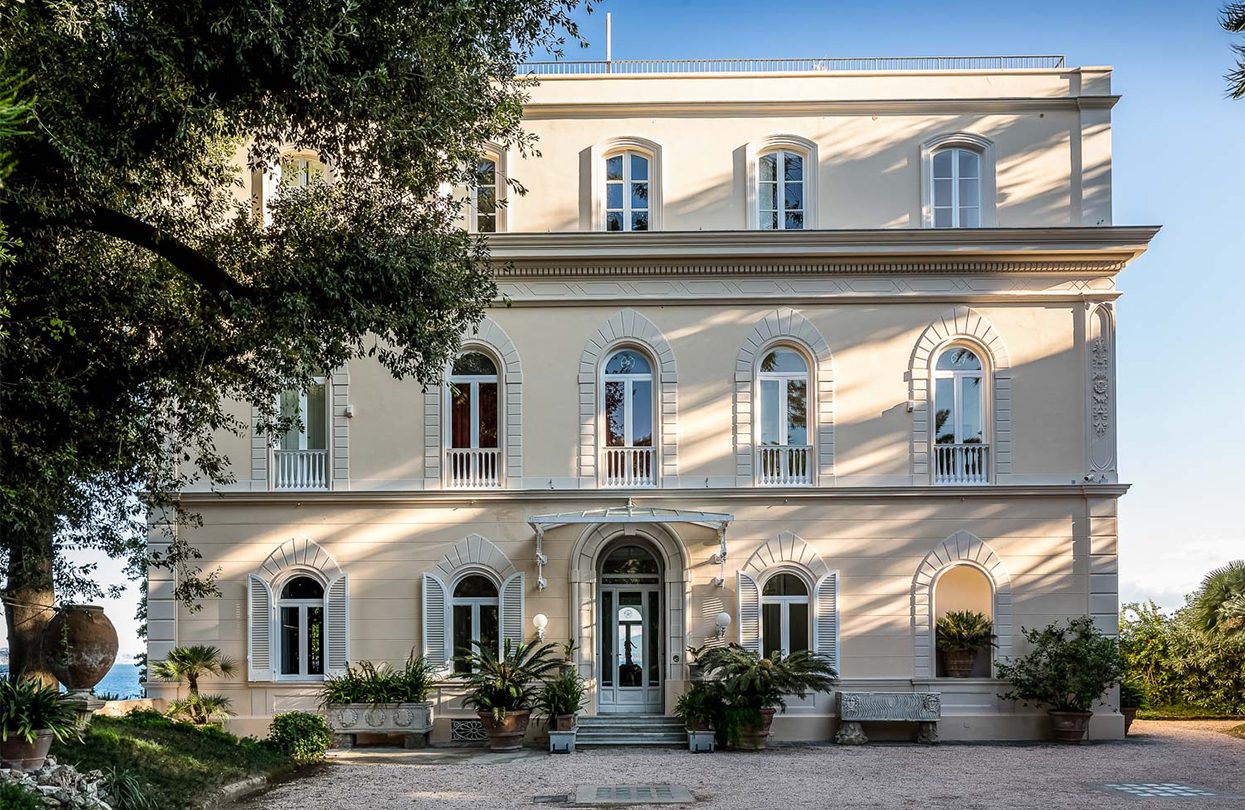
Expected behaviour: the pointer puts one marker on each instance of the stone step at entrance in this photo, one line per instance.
(631, 729)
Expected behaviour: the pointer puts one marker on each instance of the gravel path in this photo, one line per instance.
(1194, 753)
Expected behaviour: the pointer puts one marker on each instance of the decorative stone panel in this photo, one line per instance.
(896, 706)
(1100, 389)
(961, 548)
(784, 550)
(784, 326)
(475, 551)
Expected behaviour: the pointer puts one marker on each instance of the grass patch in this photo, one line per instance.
(180, 764)
(1238, 731)
(1182, 712)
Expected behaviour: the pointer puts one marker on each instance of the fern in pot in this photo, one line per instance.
(31, 715)
(561, 698)
(961, 636)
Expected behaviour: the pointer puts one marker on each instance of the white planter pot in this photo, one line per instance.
(349, 719)
(561, 742)
(700, 742)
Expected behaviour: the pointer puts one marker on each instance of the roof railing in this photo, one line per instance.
(810, 65)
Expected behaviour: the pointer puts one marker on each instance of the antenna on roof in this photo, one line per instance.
(609, 36)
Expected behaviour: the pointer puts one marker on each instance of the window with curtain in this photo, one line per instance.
(780, 191)
(627, 192)
(473, 401)
(307, 414)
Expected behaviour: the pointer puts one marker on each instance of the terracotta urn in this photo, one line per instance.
(1070, 727)
(959, 663)
(506, 735)
(20, 755)
(80, 645)
(754, 738)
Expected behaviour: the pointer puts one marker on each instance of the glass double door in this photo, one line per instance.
(629, 658)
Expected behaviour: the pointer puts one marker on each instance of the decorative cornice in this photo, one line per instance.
(593, 266)
(936, 106)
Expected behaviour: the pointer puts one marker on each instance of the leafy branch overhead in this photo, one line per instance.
(145, 290)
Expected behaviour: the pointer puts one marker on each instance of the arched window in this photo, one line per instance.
(627, 185)
(476, 616)
(301, 632)
(956, 193)
(300, 459)
(785, 616)
(783, 450)
(627, 407)
(963, 588)
(484, 196)
(781, 200)
(300, 171)
(473, 458)
(960, 445)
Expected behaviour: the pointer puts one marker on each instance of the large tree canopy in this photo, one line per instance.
(142, 287)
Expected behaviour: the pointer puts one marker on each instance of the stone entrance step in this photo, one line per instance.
(631, 729)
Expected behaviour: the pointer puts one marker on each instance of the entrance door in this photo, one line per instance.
(629, 653)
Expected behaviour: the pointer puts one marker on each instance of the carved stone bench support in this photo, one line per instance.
(922, 708)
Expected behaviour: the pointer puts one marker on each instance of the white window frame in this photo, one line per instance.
(806, 149)
(780, 181)
(956, 205)
(784, 603)
(501, 162)
(628, 408)
(303, 649)
(303, 409)
(988, 183)
(475, 603)
(474, 381)
(957, 392)
(782, 378)
(626, 211)
(592, 215)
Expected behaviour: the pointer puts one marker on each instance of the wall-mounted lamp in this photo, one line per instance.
(723, 621)
(540, 621)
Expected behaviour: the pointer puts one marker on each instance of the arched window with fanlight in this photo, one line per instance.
(786, 620)
(301, 635)
(781, 190)
(475, 614)
(628, 419)
(961, 447)
(627, 192)
(473, 455)
(782, 434)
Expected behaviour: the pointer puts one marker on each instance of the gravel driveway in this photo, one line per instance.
(953, 776)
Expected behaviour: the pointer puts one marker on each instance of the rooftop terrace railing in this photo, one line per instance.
(814, 65)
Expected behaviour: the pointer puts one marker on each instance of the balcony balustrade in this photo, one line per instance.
(629, 467)
(784, 466)
(473, 468)
(961, 464)
(300, 469)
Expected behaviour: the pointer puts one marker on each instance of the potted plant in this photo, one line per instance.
(502, 689)
(696, 667)
(1132, 698)
(701, 709)
(559, 699)
(960, 636)
(1066, 669)
(371, 699)
(31, 714)
(755, 687)
(568, 655)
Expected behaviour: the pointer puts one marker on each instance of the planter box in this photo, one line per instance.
(700, 742)
(562, 742)
(411, 719)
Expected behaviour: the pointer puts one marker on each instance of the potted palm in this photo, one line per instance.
(701, 709)
(378, 699)
(560, 698)
(961, 636)
(755, 687)
(31, 715)
(503, 688)
(1132, 698)
(1066, 669)
(189, 664)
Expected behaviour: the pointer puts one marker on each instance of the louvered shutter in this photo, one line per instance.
(337, 627)
(435, 622)
(259, 646)
(511, 610)
(749, 595)
(826, 623)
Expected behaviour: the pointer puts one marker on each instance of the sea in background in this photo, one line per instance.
(121, 681)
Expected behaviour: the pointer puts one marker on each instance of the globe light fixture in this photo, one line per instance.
(723, 621)
(540, 621)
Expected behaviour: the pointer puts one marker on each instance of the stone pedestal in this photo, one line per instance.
(927, 733)
(851, 733)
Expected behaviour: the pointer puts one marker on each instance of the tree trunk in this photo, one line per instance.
(28, 600)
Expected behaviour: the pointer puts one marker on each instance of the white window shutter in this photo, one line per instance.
(826, 623)
(510, 607)
(259, 646)
(435, 622)
(749, 594)
(271, 184)
(337, 627)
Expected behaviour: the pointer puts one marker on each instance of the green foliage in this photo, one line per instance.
(501, 684)
(13, 797)
(1218, 606)
(756, 682)
(177, 763)
(562, 694)
(127, 791)
(1132, 694)
(303, 736)
(1067, 667)
(703, 706)
(192, 663)
(1232, 18)
(28, 706)
(201, 709)
(369, 683)
(964, 631)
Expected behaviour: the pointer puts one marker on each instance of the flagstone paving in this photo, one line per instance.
(1195, 755)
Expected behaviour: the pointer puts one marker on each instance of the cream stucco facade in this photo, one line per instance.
(886, 518)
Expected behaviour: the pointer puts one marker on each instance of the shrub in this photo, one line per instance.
(1132, 694)
(28, 706)
(369, 683)
(561, 695)
(201, 709)
(13, 797)
(127, 791)
(1177, 663)
(964, 631)
(1067, 669)
(304, 736)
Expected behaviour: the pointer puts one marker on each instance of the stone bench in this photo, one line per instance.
(922, 708)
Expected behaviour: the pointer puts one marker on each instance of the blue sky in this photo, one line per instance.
(1179, 149)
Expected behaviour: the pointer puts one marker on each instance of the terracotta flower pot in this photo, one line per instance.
(959, 663)
(1070, 727)
(754, 738)
(1130, 714)
(563, 722)
(25, 756)
(507, 734)
(80, 645)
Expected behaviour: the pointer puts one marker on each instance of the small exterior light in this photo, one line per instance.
(723, 621)
(541, 621)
